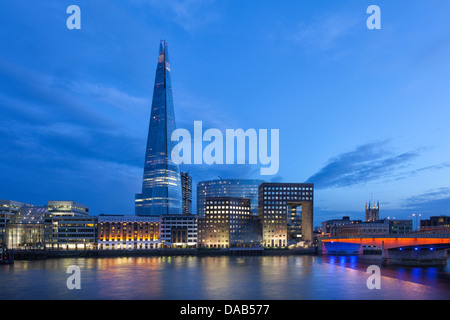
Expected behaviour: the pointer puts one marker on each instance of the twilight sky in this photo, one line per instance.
(363, 114)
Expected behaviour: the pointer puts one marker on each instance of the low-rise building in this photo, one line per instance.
(8, 208)
(331, 227)
(179, 231)
(117, 232)
(435, 224)
(68, 226)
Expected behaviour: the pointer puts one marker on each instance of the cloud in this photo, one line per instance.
(366, 163)
(431, 195)
(433, 202)
(189, 14)
(324, 32)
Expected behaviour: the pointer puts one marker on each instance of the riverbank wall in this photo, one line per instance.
(54, 254)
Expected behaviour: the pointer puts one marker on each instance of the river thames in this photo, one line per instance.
(221, 278)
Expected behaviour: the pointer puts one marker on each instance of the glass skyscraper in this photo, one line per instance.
(236, 188)
(161, 185)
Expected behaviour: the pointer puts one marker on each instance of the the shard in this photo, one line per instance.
(161, 185)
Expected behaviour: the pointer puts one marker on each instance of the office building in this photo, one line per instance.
(68, 226)
(235, 188)
(161, 185)
(26, 229)
(186, 188)
(8, 208)
(179, 231)
(435, 224)
(374, 228)
(69, 208)
(331, 227)
(286, 213)
(228, 223)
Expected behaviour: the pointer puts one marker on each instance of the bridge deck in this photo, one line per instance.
(395, 241)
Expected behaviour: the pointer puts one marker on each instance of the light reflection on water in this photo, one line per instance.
(229, 278)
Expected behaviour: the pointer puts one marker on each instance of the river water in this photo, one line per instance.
(221, 278)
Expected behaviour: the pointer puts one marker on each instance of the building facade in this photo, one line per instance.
(228, 223)
(128, 232)
(26, 229)
(8, 208)
(435, 224)
(186, 188)
(68, 226)
(179, 231)
(286, 213)
(69, 208)
(374, 228)
(331, 227)
(235, 188)
(161, 185)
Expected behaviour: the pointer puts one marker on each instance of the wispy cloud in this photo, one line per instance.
(189, 14)
(78, 119)
(366, 163)
(324, 32)
(431, 195)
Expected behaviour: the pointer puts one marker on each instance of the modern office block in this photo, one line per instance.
(228, 223)
(70, 208)
(179, 231)
(236, 188)
(286, 213)
(26, 229)
(8, 208)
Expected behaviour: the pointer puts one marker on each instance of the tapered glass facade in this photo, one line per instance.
(161, 186)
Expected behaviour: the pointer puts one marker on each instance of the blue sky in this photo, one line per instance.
(362, 113)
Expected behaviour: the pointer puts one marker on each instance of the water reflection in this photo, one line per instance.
(243, 278)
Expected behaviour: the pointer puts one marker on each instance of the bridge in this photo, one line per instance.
(404, 249)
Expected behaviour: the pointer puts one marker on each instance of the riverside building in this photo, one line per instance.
(68, 226)
(117, 232)
(228, 223)
(286, 213)
(179, 231)
(8, 208)
(236, 188)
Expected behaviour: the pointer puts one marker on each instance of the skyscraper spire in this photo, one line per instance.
(161, 185)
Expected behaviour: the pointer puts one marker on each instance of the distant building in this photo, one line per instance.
(435, 224)
(374, 228)
(286, 213)
(331, 227)
(228, 223)
(186, 188)
(8, 208)
(128, 232)
(397, 226)
(372, 213)
(69, 208)
(179, 231)
(235, 188)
